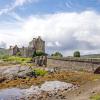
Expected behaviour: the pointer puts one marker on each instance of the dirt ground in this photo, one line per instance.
(84, 92)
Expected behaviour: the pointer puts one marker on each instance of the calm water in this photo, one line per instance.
(11, 94)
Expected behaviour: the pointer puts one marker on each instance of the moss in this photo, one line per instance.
(95, 97)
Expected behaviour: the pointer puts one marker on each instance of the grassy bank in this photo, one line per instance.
(15, 59)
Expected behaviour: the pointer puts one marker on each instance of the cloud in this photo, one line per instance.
(15, 4)
(68, 4)
(22, 2)
(64, 32)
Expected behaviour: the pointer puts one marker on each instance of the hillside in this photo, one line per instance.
(3, 51)
(92, 56)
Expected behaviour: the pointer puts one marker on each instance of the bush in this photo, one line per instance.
(57, 54)
(95, 97)
(76, 54)
(4, 57)
(18, 54)
(38, 53)
(40, 72)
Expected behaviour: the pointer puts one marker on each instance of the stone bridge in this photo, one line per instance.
(78, 64)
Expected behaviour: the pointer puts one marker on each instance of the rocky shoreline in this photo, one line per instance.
(44, 91)
(15, 84)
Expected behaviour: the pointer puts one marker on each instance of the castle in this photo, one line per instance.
(37, 44)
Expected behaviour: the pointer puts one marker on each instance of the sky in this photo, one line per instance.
(65, 25)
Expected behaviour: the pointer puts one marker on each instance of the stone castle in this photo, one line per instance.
(37, 44)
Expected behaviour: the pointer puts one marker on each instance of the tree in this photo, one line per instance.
(34, 54)
(18, 54)
(76, 54)
(57, 54)
(38, 53)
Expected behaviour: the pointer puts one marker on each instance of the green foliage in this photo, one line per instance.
(3, 53)
(18, 54)
(95, 97)
(57, 54)
(34, 54)
(38, 53)
(40, 72)
(16, 59)
(76, 54)
(4, 57)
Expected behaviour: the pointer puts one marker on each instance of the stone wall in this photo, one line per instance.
(73, 64)
(38, 44)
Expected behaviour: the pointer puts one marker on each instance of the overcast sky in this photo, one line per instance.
(65, 25)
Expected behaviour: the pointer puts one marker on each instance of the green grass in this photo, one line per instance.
(95, 97)
(16, 59)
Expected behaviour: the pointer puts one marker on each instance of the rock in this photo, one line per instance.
(32, 90)
(32, 74)
(97, 71)
(14, 72)
(46, 90)
(55, 85)
(2, 79)
(93, 92)
(22, 75)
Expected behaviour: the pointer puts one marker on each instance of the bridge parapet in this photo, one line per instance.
(86, 64)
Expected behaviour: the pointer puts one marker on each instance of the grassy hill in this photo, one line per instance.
(3, 52)
(92, 56)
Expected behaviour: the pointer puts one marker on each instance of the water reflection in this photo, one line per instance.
(11, 94)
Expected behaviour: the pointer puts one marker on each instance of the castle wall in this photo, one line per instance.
(10, 52)
(37, 44)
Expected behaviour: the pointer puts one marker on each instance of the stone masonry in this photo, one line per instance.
(74, 65)
(37, 44)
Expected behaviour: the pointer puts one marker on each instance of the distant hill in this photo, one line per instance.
(3, 51)
(92, 56)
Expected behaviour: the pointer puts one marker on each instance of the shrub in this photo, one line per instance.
(57, 54)
(4, 57)
(38, 53)
(40, 72)
(95, 97)
(18, 54)
(76, 54)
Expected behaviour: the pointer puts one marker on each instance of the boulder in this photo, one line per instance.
(97, 71)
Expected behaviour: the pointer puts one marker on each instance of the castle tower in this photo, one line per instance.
(37, 44)
(40, 44)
